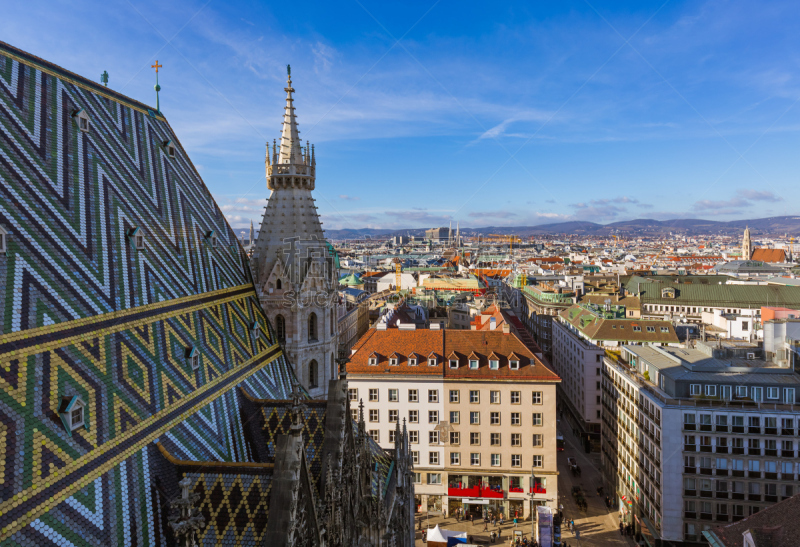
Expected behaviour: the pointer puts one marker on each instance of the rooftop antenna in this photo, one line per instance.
(157, 87)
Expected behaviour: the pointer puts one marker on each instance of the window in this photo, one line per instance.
(772, 392)
(453, 363)
(741, 391)
(665, 329)
(433, 459)
(515, 398)
(413, 416)
(757, 393)
(455, 458)
(495, 439)
(392, 361)
(137, 238)
(193, 358)
(537, 418)
(474, 396)
(413, 396)
(373, 394)
(475, 458)
(455, 437)
(475, 438)
(711, 391)
(494, 364)
(374, 415)
(516, 460)
(417, 476)
(433, 416)
(392, 416)
(494, 418)
(475, 418)
(537, 460)
(537, 440)
(431, 361)
(536, 398)
(473, 364)
(433, 437)
(413, 437)
(637, 328)
(354, 414)
(412, 361)
(313, 378)
(455, 417)
(391, 435)
(495, 460)
(352, 394)
(312, 327)
(788, 395)
(454, 396)
(373, 361)
(651, 329)
(375, 434)
(515, 418)
(494, 397)
(513, 364)
(280, 326)
(433, 395)
(394, 395)
(81, 120)
(694, 389)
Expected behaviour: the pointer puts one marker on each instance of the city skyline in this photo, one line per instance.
(664, 110)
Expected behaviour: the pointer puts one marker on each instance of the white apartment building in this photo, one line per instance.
(479, 408)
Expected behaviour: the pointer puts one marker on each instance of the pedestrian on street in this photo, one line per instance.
(621, 529)
(485, 526)
(515, 522)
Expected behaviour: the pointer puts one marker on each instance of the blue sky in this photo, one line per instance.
(504, 113)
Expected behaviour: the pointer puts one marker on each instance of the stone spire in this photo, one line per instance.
(747, 246)
(290, 151)
(250, 241)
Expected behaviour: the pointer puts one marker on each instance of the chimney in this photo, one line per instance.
(492, 323)
(506, 328)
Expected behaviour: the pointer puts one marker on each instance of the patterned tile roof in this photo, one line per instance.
(88, 310)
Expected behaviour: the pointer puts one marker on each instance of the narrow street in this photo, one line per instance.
(597, 525)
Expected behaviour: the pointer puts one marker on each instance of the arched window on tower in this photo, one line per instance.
(312, 327)
(280, 326)
(313, 378)
(278, 284)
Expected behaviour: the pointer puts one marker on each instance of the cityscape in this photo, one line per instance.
(559, 351)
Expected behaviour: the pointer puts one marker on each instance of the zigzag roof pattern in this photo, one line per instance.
(85, 312)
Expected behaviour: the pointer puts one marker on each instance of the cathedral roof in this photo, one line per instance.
(119, 266)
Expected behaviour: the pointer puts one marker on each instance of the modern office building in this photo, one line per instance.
(692, 438)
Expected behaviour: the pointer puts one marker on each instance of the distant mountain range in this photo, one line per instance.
(776, 226)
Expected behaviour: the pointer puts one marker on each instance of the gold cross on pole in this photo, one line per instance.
(156, 66)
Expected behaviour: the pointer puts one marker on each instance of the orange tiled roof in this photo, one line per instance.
(769, 255)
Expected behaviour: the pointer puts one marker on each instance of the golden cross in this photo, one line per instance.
(156, 66)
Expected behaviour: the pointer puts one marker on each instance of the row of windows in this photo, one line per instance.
(756, 466)
(374, 416)
(495, 460)
(743, 392)
(736, 487)
(434, 437)
(692, 419)
(455, 396)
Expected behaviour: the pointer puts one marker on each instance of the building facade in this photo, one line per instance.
(727, 427)
(480, 409)
(296, 270)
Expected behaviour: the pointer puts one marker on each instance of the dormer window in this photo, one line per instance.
(193, 358)
(494, 364)
(373, 359)
(211, 238)
(432, 360)
(169, 148)
(453, 363)
(3, 241)
(412, 360)
(637, 328)
(393, 361)
(137, 238)
(473, 363)
(73, 413)
(81, 120)
(514, 365)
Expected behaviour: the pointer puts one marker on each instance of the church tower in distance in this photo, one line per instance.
(295, 268)
(747, 245)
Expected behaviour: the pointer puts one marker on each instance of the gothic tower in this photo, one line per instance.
(294, 266)
(747, 246)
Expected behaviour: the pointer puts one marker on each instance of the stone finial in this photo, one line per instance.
(185, 519)
(297, 409)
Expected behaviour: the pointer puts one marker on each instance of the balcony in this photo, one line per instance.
(770, 452)
(722, 495)
(706, 494)
(737, 496)
(689, 492)
(754, 474)
(770, 498)
(737, 450)
(787, 432)
(706, 448)
(690, 448)
(737, 429)
(737, 473)
(705, 471)
(771, 476)
(689, 470)
(754, 497)
(722, 472)
(754, 430)
(706, 516)
(787, 453)
(689, 427)
(705, 427)
(689, 515)
(753, 451)
(722, 450)
(538, 490)
(722, 518)
(722, 429)
(770, 431)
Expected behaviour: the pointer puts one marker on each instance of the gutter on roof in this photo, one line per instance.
(712, 538)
